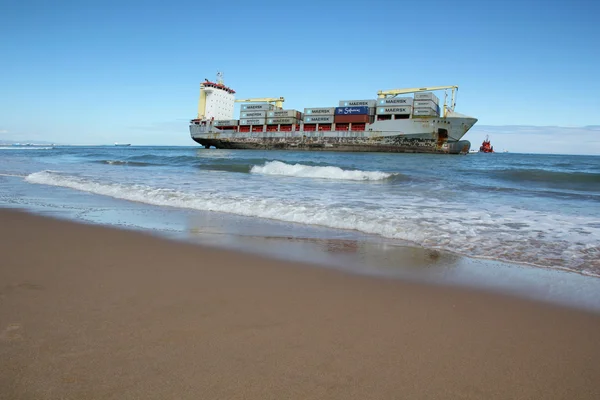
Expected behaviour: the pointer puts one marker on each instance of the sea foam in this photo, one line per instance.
(307, 171)
(524, 236)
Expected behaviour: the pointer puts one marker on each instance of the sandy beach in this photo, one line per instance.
(88, 312)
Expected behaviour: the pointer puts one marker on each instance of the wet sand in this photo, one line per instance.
(92, 312)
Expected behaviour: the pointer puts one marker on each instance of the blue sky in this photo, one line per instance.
(96, 72)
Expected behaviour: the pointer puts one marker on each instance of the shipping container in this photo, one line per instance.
(318, 119)
(252, 114)
(226, 122)
(358, 127)
(257, 107)
(319, 111)
(253, 121)
(393, 110)
(358, 103)
(345, 119)
(342, 127)
(427, 96)
(358, 110)
(425, 112)
(396, 101)
(425, 104)
(283, 114)
(277, 121)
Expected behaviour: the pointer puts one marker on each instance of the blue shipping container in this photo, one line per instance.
(360, 110)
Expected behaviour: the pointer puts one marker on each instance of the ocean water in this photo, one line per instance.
(538, 210)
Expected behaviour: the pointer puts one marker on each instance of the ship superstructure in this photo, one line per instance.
(216, 100)
(400, 120)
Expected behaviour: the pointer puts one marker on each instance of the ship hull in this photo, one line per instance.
(440, 135)
(407, 146)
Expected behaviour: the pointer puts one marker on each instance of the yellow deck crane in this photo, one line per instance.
(382, 94)
(278, 101)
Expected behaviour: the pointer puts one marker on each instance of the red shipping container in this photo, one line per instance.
(346, 119)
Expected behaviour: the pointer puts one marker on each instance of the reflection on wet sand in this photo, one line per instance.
(371, 256)
(368, 255)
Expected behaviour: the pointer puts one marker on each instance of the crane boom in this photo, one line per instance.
(395, 92)
(278, 101)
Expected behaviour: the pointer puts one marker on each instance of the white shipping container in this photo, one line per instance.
(318, 119)
(357, 103)
(425, 104)
(396, 101)
(257, 107)
(427, 96)
(253, 121)
(226, 122)
(281, 121)
(425, 112)
(282, 114)
(390, 110)
(319, 111)
(253, 114)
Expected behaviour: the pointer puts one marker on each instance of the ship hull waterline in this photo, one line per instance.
(419, 146)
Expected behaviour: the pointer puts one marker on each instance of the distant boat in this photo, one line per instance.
(122, 144)
(486, 146)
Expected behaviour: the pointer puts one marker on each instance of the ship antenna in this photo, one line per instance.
(219, 77)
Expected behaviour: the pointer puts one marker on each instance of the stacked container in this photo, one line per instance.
(320, 118)
(371, 104)
(283, 117)
(352, 114)
(322, 115)
(254, 114)
(426, 104)
(226, 122)
(395, 101)
(394, 108)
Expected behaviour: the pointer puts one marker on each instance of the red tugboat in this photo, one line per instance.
(486, 146)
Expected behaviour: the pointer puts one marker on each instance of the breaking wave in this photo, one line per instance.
(515, 235)
(130, 163)
(307, 171)
(557, 179)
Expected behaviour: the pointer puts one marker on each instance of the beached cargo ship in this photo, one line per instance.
(393, 122)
